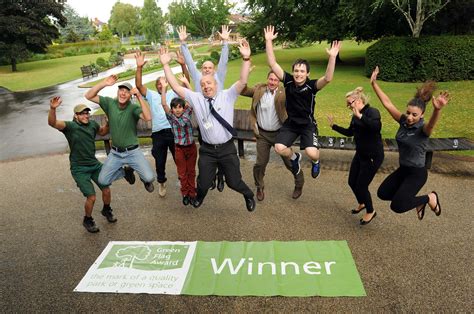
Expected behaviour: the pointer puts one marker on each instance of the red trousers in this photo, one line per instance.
(185, 158)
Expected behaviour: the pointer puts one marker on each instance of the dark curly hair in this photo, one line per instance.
(423, 95)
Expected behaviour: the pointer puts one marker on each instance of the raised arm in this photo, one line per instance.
(438, 104)
(332, 53)
(187, 55)
(54, 103)
(224, 58)
(92, 93)
(104, 128)
(244, 49)
(182, 62)
(140, 59)
(146, 114)
(165, 60)
(270, 35)
(335, 127)
(184, 81)
(164, 85)
(386, 102)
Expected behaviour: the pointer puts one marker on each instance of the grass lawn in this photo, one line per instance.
(38, 74)
(455, 121)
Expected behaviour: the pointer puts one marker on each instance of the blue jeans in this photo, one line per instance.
(112, 169)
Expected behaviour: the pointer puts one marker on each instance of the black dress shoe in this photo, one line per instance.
(363, 222)
(250, 203)
(197, 202)
(213, 185)
(260, 194)
(185, 200)
(220, 183)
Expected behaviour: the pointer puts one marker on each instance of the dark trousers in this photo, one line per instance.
(162, 141)
(224, 157)
(361, 174)
(401, 188)
(186, 165)
(265, 141)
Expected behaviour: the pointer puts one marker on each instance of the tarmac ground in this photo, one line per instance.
(406, 265)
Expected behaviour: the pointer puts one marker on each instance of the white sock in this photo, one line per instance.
(293, 157)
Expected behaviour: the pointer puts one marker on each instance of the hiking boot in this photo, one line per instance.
(90, 225)
(149, 186)
(162, 189)
(296, 164)
(129, 175)
(297, 192)
(107, 213)
(315, 169)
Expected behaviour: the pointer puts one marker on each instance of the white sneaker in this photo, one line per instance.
(162, 189)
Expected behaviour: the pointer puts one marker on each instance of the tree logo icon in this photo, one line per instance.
(133, 253)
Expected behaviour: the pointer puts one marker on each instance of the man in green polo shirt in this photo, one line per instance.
(123, 116)
(85, 168)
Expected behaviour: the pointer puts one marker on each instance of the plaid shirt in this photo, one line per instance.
(182, 127)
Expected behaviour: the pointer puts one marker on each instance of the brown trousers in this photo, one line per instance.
(265, 142)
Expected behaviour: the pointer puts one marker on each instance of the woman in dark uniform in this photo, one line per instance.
(365, 127)
(412, 137)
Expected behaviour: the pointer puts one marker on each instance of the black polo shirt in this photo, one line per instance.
(412, 143)
(300, 100)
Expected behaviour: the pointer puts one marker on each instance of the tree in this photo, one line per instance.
(77, 28)
(201, 17)
(423, 10)
(105, 33)
(152, 21)
(28, 27)
(124, 19)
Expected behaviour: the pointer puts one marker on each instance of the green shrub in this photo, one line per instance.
(215, 55)
(439, 58)
(101, 62)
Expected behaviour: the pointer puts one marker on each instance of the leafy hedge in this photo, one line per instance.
(439, 58)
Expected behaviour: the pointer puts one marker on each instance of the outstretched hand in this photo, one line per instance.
(373, 77)
(182, 78)
(164, 84)
(335, 47)
(164, 55)
(270, 33)
(135, 92)
(55, 102)
(330, 120)
(244, 48)
(440, 101)
(180, 57)
(111, 80)
(225, 33)
(182, 33)
(140, 59)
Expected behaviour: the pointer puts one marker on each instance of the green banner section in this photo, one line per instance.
(302, 268)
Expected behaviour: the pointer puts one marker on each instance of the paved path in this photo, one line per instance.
(23, 116)
(406, 265)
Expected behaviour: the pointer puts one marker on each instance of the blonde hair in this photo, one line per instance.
(358, 93)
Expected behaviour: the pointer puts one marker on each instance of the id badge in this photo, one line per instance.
(207, 125)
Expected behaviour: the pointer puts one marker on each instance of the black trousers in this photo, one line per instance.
(224, 157)
(162, 141)
(361, 174)
(401, 188)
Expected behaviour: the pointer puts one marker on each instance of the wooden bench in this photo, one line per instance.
(87, 71)
(244, 133)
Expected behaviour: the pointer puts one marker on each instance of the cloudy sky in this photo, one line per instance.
(101, 8)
